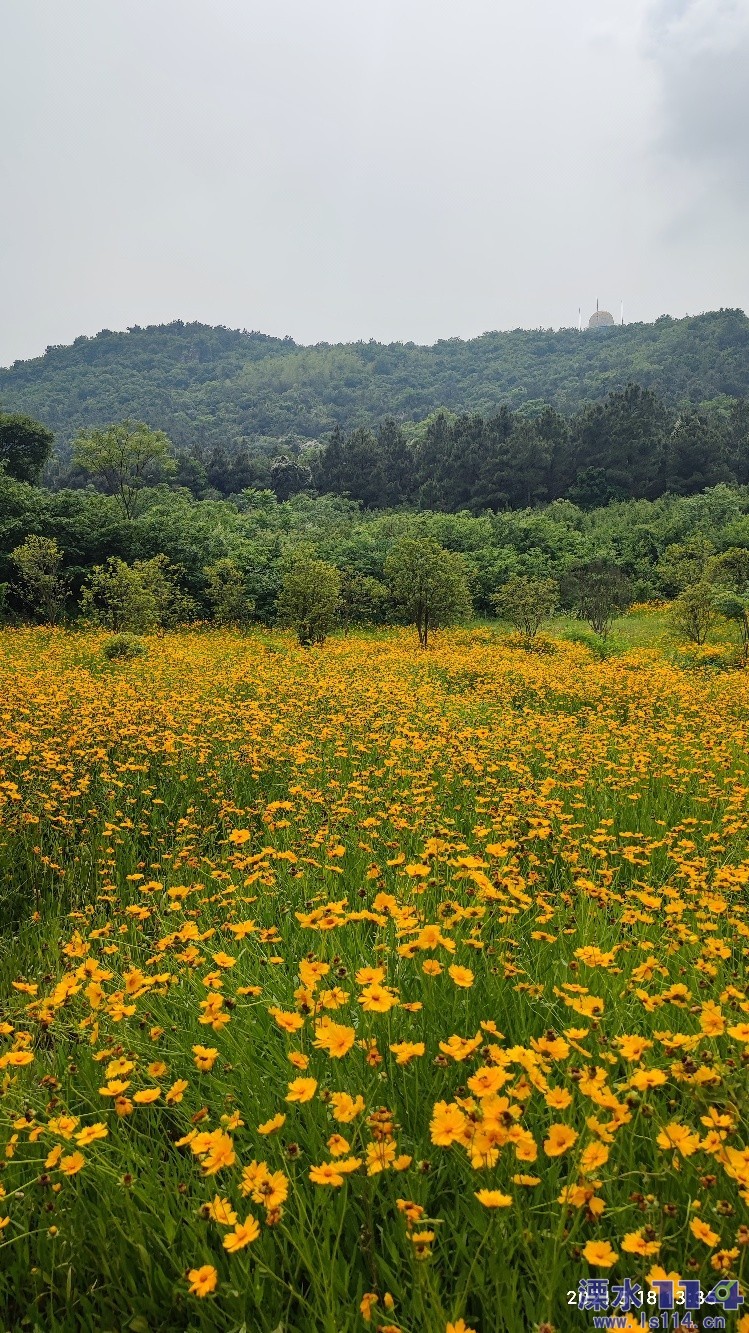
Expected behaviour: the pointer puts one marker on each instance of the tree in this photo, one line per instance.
(125, 458)
(597, 592)
(734, 606)
(730, 569)
(117, 597)
(695, 611)
(43, 587)
(226, 589)
(310, 596)
(364, 599)
(429, 584)
(288, 477)
(527, 602)
(684, 563)
(135, 597)
(693, 456)
(25, 446)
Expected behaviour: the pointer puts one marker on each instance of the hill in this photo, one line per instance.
(207, 385)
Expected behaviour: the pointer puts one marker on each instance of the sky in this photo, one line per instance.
(337, 170)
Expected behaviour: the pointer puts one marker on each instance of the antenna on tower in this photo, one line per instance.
(622, 312)
(579, 319)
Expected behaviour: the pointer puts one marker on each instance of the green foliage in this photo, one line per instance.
(124, 458)
(310, 594)
(226, 590)
(25, 446)
(527, 602)
(429, 584)
(135, 597)
(695, 612)
(364, 600)
(598, 592)
(730, 569)
(734, 606)
(684, 563)
(123, 647)
(43, 587)
(224, 386)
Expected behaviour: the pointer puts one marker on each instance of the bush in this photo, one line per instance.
(123, 646)
(595, 643)
(530, 643)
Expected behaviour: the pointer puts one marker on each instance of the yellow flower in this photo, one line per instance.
(334, 1038)
(494, 1198)
(273, 1125)
(559, 1139)
(599, 1254)
(462, 976)
(243, 1234)
(326, 1174)
(146, 1096)
(90, 1133)
(301, 1090)
(701, 1231)
(202, 1280)
(377, 999)
(71, 1164)
(221, 1211)
(205, 1057)
(346, 1108)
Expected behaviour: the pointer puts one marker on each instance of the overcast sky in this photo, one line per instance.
(342, 169)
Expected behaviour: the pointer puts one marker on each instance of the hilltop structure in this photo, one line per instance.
(601, 319)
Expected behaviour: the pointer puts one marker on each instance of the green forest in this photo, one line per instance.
(216, 386)
(133, 467)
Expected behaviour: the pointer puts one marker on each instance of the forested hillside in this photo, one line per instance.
(214, 386)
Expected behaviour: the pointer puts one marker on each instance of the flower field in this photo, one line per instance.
(367, 988)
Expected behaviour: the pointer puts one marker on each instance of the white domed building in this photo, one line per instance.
(601, 319)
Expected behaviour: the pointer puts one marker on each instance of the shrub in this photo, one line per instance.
(527, 602)
(123, 646)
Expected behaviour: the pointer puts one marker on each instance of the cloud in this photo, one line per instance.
(700, 52)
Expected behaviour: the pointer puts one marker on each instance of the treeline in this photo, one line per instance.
(660, 545)
(211, 387)
(630, 445)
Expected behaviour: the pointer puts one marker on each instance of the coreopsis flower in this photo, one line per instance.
(701, 1231)
(447, 1125)
(560, 1138)
(301, 1090)
(494, 1198)
(90, 1133)
(243, 1234)
(202, 1280)
(205, 1058)
(71, 1164)
(404, 1051)
(326, 1174)
(461, 976)
(346, 1108)
(287, 1021)
(221, 1211)
(599, 1254)
(680, 1138)
(378, 999)
(334, 1038)
(146, 1096)
(272, 1126)
(637, 1242)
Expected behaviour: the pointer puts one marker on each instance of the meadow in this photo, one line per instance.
(365, 988)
